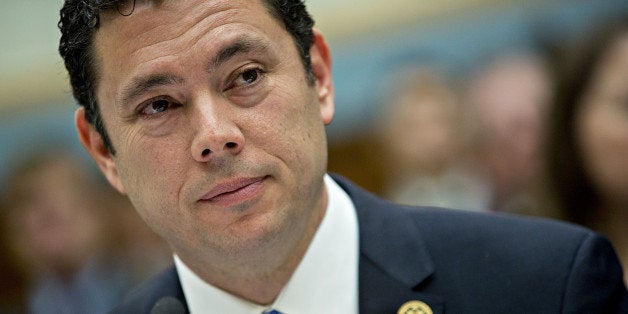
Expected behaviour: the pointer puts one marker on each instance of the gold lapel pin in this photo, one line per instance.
(415, 307)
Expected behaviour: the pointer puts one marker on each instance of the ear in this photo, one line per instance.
(321, 67)
(95, 146)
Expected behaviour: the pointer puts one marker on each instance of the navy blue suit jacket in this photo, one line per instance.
(461, 262)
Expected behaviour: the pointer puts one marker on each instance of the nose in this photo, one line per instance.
(217, 135)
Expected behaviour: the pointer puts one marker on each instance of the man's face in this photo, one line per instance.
(219, 138)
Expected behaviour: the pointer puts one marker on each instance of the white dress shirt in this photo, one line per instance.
(326, 280)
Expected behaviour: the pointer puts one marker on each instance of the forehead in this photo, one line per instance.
(612, 69)
(170, 20)
(161, 35)
(618, 54)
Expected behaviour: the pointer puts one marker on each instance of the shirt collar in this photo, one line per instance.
(326, 280)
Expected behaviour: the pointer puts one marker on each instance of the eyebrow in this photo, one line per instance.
(243, 44)
(140, 85)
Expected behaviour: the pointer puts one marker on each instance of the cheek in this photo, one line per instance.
(142, 157)
(290, 125)
(151, 172)
(604, 143)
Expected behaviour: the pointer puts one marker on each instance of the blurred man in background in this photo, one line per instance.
(510, 97)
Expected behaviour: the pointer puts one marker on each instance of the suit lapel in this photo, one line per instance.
(394, 262)
(167, 295)
(160, 294)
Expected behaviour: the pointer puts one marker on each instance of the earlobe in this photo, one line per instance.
(95, 146)
(321, 67)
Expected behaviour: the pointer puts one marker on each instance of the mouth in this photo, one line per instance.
(234, 191)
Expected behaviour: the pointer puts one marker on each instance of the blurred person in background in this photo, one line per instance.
(61, 236)
(588, 134)
(424, 140)
(510, 96)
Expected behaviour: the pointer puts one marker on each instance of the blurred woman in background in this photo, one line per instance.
(588, 135)
(60, 237)
(74, 245)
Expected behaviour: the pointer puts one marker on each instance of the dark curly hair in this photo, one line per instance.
(80, 18)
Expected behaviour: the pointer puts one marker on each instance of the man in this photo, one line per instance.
(210, 114)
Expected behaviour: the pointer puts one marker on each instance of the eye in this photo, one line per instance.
(156, 106)
(245, 78)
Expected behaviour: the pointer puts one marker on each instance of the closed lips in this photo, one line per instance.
(230, 187)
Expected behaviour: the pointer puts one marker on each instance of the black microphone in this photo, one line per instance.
(168, 305)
